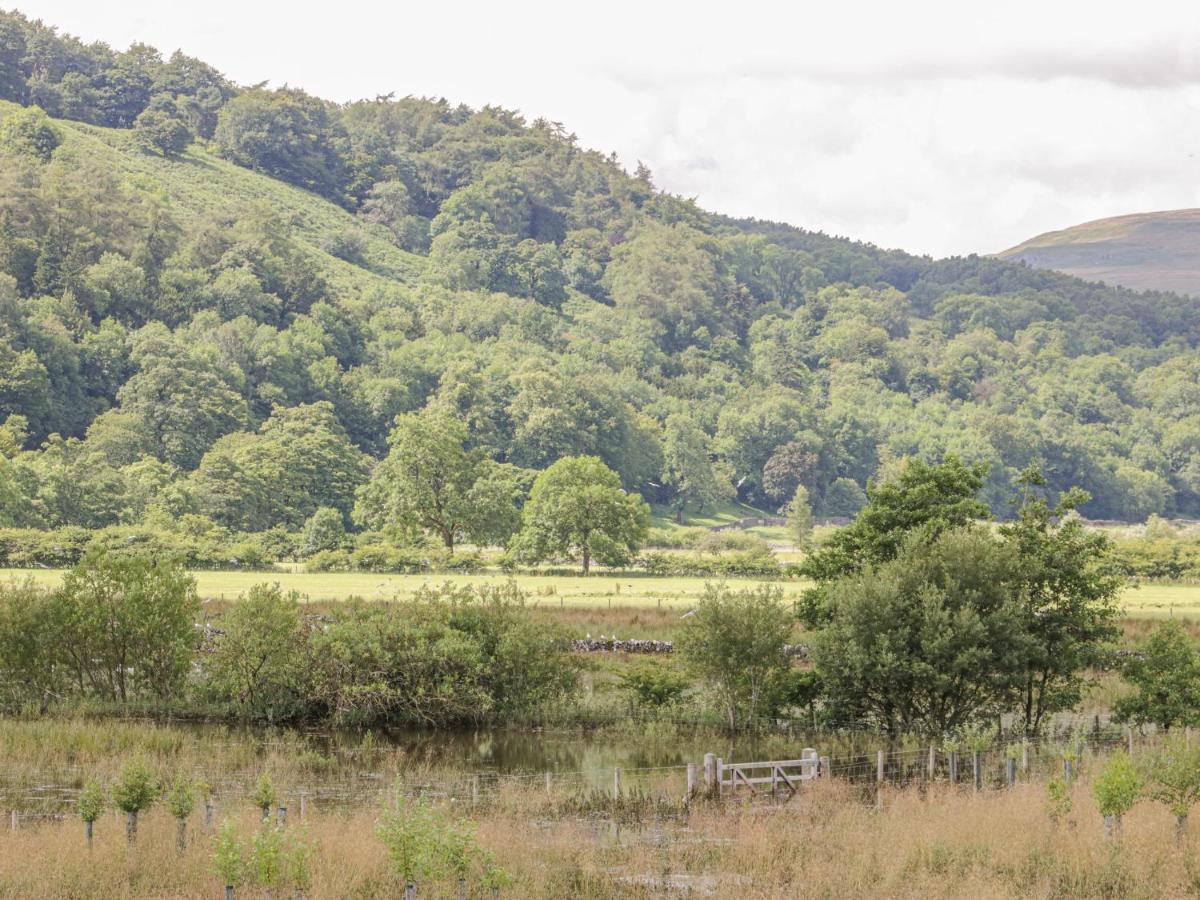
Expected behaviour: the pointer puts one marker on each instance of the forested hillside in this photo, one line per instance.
(216, 300)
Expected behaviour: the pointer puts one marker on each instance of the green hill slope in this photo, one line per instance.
(216, 300)
(200, 186)
(1157, 251)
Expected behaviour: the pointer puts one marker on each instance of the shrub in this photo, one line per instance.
(29, 132)
(715, 542)
(1166, 681)
(260, 667)
(742, 564)
(329, 561)
(410, 835)
(734, 641)
(674, 538)
(128, 624)
(325, 530)
(91, 802)
(653, 685)
(229, 856)
(1172, 777)
(136, 789)
(385, 558)
(265, 794)
(348, 245)
(452, 655)
(1117, 789)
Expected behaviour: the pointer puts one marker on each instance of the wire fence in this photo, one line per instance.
(29, 799)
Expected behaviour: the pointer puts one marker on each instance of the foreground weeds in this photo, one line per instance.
(568, 842)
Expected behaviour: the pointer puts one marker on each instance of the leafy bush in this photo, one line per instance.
(740, 564)
(386, 558)
(654, 685)
(735, 642)
(716, 542)
(261, 666)
(348, 245)
(1117, 787)
(674, 538)
(91, 802)
(329, 561)
(452, 655)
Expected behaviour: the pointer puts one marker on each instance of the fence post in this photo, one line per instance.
(720, 776)
(1010, 771)
(1129, 738)
(825, 770)
(303, 806)
(710, 772)
(691, 780)
(12, 821)
(1024, 756)
(879, 779)
(953, 766)
(977, 770)
(932, 760)
(209, 809)
(616, 784)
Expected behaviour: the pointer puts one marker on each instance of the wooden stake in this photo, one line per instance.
(616, 784)
(879, 780)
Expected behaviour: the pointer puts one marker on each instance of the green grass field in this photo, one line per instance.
(1151, 601)
(545, 590)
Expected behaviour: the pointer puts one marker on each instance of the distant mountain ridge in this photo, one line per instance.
(1157, 251)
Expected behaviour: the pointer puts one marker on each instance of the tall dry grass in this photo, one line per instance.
(935, 841)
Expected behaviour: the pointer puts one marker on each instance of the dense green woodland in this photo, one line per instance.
(216, 300)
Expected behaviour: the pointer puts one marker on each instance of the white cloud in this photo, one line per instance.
(932, 126)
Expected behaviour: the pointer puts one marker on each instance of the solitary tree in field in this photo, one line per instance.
(1166, 681)
(430, 480)
(578, 508)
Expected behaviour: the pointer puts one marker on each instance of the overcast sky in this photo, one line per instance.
(921, 125)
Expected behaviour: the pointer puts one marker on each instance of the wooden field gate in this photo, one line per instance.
(776, 774)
